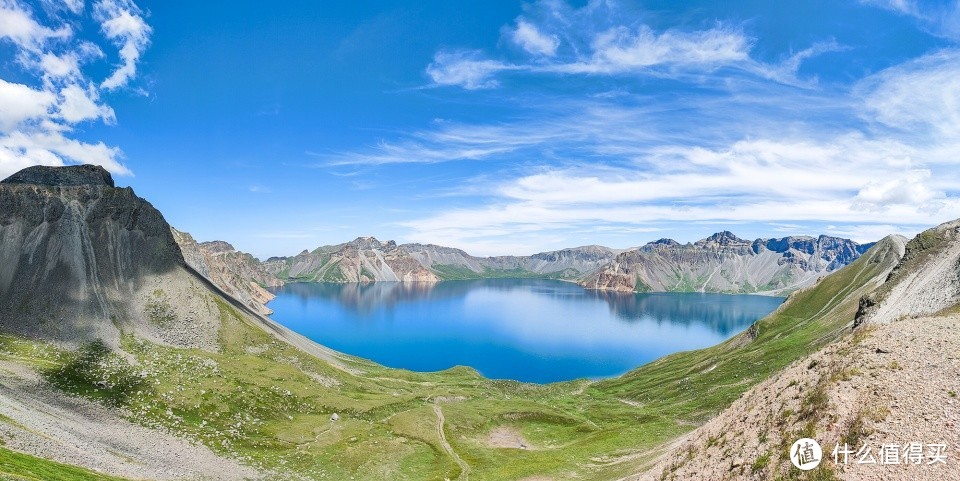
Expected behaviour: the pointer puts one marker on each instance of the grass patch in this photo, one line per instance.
(23, 467)
(96, 371)
(448, 272)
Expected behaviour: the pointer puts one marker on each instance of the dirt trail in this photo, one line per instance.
(464, 467)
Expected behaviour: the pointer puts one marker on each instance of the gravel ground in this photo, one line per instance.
(895, 383)
(46, 423)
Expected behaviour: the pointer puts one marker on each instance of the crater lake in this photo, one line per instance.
(531, 330)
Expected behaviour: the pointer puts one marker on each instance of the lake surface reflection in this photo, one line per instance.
(525, 329)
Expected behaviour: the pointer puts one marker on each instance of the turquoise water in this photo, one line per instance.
(524, 329)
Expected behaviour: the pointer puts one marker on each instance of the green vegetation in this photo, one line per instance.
(330, 273)
(454, 272)
(96, 371)
(365, 274)
(761, 462)
(269, 404)
(458, 273)
(158, 309)
(16, 466)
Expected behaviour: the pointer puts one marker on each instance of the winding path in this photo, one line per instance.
(464, 467)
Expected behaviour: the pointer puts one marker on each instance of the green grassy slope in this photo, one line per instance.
(270, 404)
(457, 273)
(16, 466)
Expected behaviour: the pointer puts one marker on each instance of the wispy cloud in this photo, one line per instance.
(890, 168)
(466, 68)
(123, 23)
(37, 118)
(623, 49)
(625, 128)
(907, 7)
(940, 18)
(590, 41)
(18, 25)
(530, 38)
(920, 96)
(449, 142)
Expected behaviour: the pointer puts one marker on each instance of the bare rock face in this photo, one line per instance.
(236, 273)
(927, 280)
(364, 259)
(191, 251)
(724, 262)
(81, 259)
(73, 176)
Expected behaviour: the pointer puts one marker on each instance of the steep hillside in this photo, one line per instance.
(856, 392)
(237, 273)
(81, 260)
(725, 263)
(926, 282)
(366, 259)
(891, 381)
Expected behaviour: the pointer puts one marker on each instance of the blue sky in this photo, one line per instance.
(498, 127)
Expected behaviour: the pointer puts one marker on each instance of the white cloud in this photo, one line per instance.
(19, 26)
(906, 7)
(873, 232)
(604, 42)
(19, 150)
(940, 18)
(61, 66)
(622, 49)
(38, 117)
(920, 96)
(450, 142)
(886, 164)
(466, 69)
(615, 51)
(912, 189)
(80, 104)
(75, 6)
(786, 71)
(21, 103)
(121, 22)
(528, 37)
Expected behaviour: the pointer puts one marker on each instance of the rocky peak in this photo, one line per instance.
(70, 176)
(80, 251)
(367, 243)
(217, 247)
(589, 253)
(725, 238)
(664, 242)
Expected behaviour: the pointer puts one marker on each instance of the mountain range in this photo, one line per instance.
(122, 357)
(720, 263)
